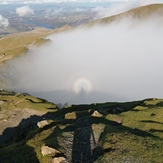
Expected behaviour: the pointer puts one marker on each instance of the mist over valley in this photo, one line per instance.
(120, 61)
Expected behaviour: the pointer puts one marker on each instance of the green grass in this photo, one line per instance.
(21, 101)
(137, 139)
(16, 44)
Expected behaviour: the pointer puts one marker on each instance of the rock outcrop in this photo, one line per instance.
(45, 150)
(42, 124)
(58, 160)
(70, 115)
(96, 114)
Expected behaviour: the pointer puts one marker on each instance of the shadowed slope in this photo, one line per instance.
(120, 135)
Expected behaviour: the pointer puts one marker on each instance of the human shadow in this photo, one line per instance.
(81, 149)
(84, 147)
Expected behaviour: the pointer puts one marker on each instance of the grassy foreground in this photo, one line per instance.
(100, 133)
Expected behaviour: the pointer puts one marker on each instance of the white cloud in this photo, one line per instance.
(4, 2)
(53, 12)
(24, 11)
(123, 59)
(3, 22)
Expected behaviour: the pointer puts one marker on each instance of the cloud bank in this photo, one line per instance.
(119, 7)
(24, 11)
(3, 22)
(117, 62)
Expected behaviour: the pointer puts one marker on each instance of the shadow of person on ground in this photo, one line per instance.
(81, 149)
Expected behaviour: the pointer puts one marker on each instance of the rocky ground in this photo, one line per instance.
(37, 131)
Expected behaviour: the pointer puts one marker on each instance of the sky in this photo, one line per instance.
(81, 1)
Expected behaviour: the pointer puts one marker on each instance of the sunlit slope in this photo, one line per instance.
(16, 106)
(140, 13)
(19, 43)
(109, 132)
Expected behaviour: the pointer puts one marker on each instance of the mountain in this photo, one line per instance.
(35, 130)
(18, 43)
(139, 13)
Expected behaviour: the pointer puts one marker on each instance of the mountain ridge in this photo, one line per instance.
(139, 13)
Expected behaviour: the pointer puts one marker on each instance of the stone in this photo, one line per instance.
(96, 114)
(70, 115)
(45, 150)
(58, 160)
(42, 124)
(118, 121)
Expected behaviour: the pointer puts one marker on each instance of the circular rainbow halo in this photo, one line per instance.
(82, 84)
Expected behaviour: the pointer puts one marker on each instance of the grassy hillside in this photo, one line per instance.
(109, 132)
(16, 106)
(16, 44)
(140, 13)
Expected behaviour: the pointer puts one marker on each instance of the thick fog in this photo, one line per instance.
(121, 61)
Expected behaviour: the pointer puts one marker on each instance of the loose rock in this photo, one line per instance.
(45, 150)
(70, 115)
(58, 160)
(96, 114)
(42, 124)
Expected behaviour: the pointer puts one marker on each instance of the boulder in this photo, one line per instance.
(58, 160)
(43, 123)
(96, 114)
(70, 115)
(45, 150)
(118, 121)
